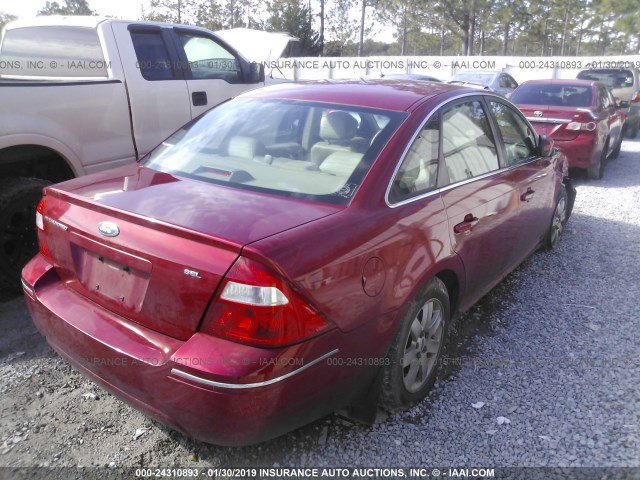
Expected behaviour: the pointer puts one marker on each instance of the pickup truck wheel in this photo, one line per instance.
(18, 240)
(558, 220)
(412, 361)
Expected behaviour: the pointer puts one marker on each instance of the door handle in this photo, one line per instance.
(199, 98)
(467, 224)
(526, 196)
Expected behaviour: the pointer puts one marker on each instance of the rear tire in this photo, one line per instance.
(18, 239)
(414, 355)
(596, 172)
(616, 151)
(558, 221)
(631, 132)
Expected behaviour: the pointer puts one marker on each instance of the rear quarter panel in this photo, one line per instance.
(405, 246)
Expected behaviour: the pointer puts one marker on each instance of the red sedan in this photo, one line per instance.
(299, 249)
(581, 116)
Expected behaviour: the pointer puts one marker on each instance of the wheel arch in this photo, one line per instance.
(34, 160)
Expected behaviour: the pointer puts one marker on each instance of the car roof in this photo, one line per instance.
(399, 95)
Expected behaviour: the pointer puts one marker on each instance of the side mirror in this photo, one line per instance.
(256, 72)
(546, 146)
(624, 104)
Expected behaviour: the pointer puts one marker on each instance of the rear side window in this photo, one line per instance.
(152, 54)
(419, 170)
(468, 147)
(605, 99)
(52, 52)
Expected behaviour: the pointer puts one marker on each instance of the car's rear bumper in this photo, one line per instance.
(212, 389)
(582, 152)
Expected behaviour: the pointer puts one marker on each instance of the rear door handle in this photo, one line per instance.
(467, 224)
(526, 196)
(199, 98)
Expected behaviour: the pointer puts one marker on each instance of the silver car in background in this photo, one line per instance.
(624, 84)
(499, 82)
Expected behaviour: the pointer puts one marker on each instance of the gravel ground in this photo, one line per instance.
(544, 371)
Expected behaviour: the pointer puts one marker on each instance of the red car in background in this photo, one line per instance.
(296, 250)
(581, 116)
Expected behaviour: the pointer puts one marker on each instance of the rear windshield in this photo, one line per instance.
(52, 52)
(473, 77)
(611, 78)
(553, 94)
(307, 150)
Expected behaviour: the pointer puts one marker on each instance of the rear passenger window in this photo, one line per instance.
(419, 170)
(152, 54)
(52, 52)
(468, 146)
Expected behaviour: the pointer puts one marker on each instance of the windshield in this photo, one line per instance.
(611, 78)
(553, 95)
(307, 150)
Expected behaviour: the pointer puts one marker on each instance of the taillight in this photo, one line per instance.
(258, 307)
(589, 127)
(636, 97)
(41, 229)
(40, 215)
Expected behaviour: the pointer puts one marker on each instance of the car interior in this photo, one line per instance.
(289, 147)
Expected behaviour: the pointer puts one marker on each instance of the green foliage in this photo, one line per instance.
(342, 28)
(422, 27)
(172, 11)
(294, 17)
(6, 18)
(70, 7)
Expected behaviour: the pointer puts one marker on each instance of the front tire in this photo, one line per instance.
(415, 352)
(18, 240)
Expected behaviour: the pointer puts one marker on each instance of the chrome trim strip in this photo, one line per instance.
(452, 185)
(28, 290)
(56, 223)
(236, 386)
(549, 120)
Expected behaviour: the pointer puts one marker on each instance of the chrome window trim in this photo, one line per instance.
(239, 386)
(452, 185)
(549, 120)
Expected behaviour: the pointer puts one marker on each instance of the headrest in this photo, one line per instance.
(338, 125)
(245, 147)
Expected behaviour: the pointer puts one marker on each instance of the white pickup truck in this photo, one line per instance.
(82, 94)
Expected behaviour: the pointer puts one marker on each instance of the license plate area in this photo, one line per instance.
(110, 276)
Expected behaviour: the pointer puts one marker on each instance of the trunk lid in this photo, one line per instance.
(176, 238)
(551, 120)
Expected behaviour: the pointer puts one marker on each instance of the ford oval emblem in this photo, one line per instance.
(108, 229)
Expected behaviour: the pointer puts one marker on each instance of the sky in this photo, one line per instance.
(127, 9)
